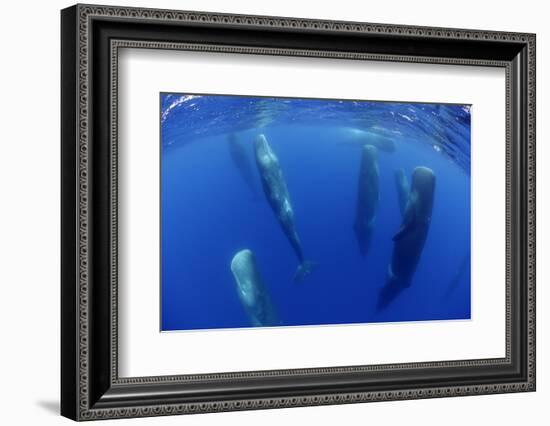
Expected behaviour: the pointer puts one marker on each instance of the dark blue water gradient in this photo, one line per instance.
(209, 213)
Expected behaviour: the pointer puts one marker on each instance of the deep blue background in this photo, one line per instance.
(209, 213)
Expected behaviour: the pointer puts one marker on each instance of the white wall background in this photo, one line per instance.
(29, 211)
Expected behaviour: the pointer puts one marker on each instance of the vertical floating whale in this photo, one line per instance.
(276, 192)
(252, 291)
(409, 240)
(403, 189)
(241, 159)
(367, 198)
(458, 277)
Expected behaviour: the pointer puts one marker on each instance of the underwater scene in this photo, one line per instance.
(299, 212)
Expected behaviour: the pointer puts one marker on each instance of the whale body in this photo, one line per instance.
(278, 197)
(241, 159)
(411, 237)
(252, 292)
(367, 198)
(369, 137)
(403, 189)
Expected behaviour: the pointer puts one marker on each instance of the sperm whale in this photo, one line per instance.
(278, 197)
(367, 198)
(241, 158)
(411, 237)
(252, 291)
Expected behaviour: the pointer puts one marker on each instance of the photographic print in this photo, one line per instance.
(283, 212)
(321, 196)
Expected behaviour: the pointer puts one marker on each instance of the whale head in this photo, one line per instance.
(264, 154)
(243, 266)
(423, 178)
(369, 163)
(370, 153)
(251, 290)
(423, 184)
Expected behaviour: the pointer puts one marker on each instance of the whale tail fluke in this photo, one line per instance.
(304, 269)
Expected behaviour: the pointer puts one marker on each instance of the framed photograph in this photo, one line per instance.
(263, 212)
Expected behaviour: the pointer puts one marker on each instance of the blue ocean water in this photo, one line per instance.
(213, 205)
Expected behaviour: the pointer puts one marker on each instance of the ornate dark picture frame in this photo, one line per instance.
(90, 38)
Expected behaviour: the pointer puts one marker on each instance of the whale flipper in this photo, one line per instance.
(409, 223)
(304, 269)
(404, 231)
